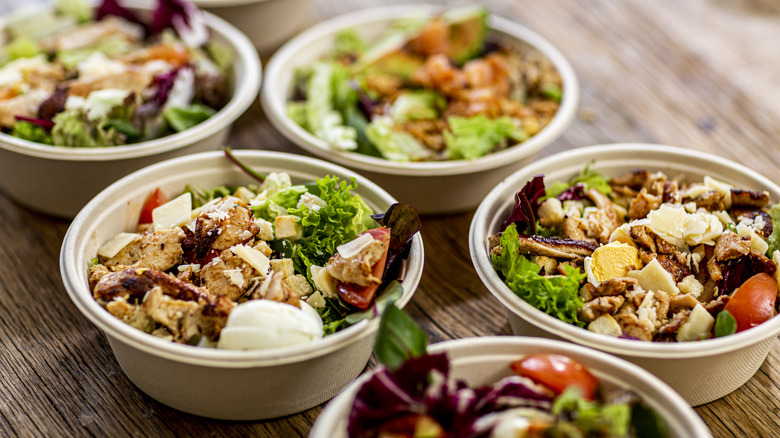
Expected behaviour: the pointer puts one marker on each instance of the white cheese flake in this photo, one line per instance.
(235, 276)
(173, 213)
(116, 244)
(254, 258)
(353, 247)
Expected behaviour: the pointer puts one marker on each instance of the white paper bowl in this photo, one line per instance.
(60, 180)
(433, 187)
(482, 361)
(224, 384)
(267, 23)
(700, 371)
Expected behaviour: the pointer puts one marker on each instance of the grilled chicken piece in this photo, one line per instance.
(741, 198)
(358, 269)
(133, 284)
(227, 275)
(132, 79)
(160, 251)
(605, 220)
(274, 288)
(634, 179)
(599, 306)
(670, 328)
(643, 204)
(220, 226)
(91, 34)
(187, 321)
(730, 246)
(22, 105)
(555, 247)
(756, 215)
(616, 286)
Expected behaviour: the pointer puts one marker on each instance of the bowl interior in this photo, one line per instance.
(314, 43)
(482, 361)
(116, 209)
(611, 160)
(245, 83)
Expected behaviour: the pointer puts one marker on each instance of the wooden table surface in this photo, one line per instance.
(701, 74)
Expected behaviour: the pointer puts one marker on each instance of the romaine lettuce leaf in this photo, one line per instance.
(20, 47)
(183, 118)
(32, 132)
(392, 144)
(591, 418)
(417, 105)
(473, 137)
(73, 128)
(556, 296)
(322, 118)
(589, 178)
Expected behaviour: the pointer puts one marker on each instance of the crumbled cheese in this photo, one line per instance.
(312, 202)
(100, 102)
(316, 300)
(690, 207)
(195, 267)
(353, 247)
(690, 285)
(113, 246)
(245, 235)
(235, 276)
(173, 213)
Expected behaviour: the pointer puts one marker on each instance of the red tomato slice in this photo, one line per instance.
(361, 296)
(156, 199)
(557, 372)
(754, 301)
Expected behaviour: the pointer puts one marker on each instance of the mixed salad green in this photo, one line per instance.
(546, 395)
(315, 246)
(77, 76)
(428, 88)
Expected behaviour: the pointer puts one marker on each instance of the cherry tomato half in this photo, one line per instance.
(754, 301)
(156, 199)
(361, 296)
(557, 372)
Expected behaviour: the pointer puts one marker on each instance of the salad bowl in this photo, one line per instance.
(58, 181)
(482, 361)
(219, 383)
(432, 186)
(701, 370)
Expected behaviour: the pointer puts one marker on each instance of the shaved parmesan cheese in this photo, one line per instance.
(698, 325)
(254, 258)
(720, 187)
(353, 247)
(653, 277)
(323, 281)
(756, 242)
(173, 213)
(113, 246)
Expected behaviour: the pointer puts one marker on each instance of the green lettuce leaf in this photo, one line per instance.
(417, 105)
(20, 47)
(774, 239)
(590, 178)
(73, 128)
(591, 418)
(326, 90)
(342, 218)
(556, 296)
(394, 145)
(473, 137)
(183, 118)
(32, 132)
(399, 338)
(348, 43)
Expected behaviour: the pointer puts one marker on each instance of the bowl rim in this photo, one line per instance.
(81, 295)
(274, 98)
(478, 233)
(245, 91)
(329, 418)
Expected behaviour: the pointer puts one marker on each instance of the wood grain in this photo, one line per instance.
(700, 74)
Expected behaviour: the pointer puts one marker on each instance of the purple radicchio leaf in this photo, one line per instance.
(512, 392)
(387, 395)
(735, 272)
(182, 16)
(112, 7)
(45, 124)
(367, 105)
(526, 204)
(625, 335)
(573, 193)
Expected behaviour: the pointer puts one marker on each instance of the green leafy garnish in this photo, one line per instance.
(590, 178)
(348, 43)
(183, 118)
(21, 47)
(398, 338)
(647, 423)
(556, 296)
(342, 218)
(553, 91)
(725, 324)
(201, 196)
(32, 132)
(774, 239)
(590, 418)
(473, 137)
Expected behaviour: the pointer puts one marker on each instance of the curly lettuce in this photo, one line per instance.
(556, 296)
(590, 179)
(32, 132)
(473, 137)
(343, 217)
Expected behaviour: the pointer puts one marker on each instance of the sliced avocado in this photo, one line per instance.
(468, 28)
(389, 57)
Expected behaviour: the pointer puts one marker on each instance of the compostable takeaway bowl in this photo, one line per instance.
(224, 384)
(484, 360)
(59, 180)
(701, 371)
(432, 187)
